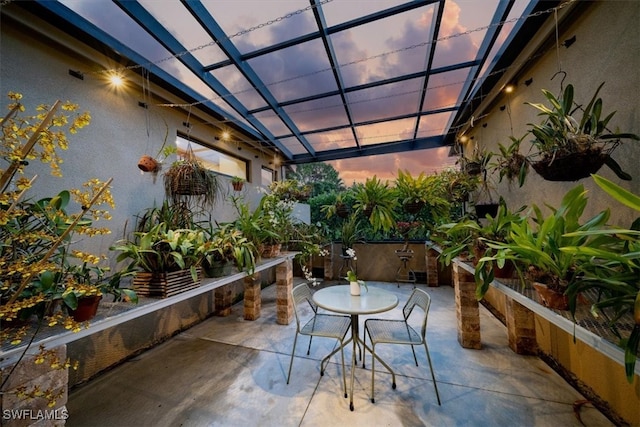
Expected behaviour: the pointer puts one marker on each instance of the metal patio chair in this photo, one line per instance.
(385, 331)
(320, 325)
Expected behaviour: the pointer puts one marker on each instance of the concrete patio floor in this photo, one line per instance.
(227, 371)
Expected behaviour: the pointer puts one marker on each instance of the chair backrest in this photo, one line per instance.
(421, 299)
(300, 294)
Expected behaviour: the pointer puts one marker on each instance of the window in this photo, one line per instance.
(212, 159)
(267, 176)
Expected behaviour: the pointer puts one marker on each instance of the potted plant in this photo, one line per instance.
(350, 233)
(611, 266)
(187, 180)
(534, 245)
(225, 247)
(237, 183)
(376, 200)
(341, 206)
(476, 162)
(570, 148)
(412, 192)
(169, 259)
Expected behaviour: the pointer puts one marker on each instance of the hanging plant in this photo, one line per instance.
(190, 182)
(569, 147)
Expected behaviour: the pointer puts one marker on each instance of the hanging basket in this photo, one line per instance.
(571, 166)
(191, 184)
(473, 168)
(147, 164)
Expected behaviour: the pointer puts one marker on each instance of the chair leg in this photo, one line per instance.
(433, 377)
(373, 370)
(295, 340)
(414, 355)
(344, 376)
(309, 348)
(364, 350)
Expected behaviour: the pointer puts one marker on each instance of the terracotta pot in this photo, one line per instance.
(147, 164)
(551, 298)
(87, 308)
(237, 186)
(270, 251)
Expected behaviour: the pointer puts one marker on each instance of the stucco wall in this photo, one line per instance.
(118, 135)
(606, 50)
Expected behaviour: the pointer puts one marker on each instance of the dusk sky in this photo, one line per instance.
(383, 49)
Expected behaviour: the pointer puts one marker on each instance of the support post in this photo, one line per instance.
(467, 309)
(252, 296)
(284, 285)
(521, 328)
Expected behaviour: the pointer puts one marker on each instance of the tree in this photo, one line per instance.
(322, 177)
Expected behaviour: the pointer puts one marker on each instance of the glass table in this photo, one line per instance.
(338, 299)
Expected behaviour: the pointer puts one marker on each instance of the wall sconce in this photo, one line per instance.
(463, 139)
(116, 80)
(510, 88)
(528, 82)
(568, 42)
(225, 135)
(76, 74)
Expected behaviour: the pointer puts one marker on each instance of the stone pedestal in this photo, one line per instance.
(521, 328)
(223, 300)
(431, 260)
(252, 297)
(20, 411)
(284, 285)
(467, 309)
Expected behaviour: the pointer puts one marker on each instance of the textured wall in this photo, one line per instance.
(118, 134)
(605, 50)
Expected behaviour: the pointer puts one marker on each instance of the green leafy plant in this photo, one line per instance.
(162, 250)
(562, 134)
(188, 181)
(227, 244)
(535, 244)
(509, 163)
(611, 266)
(376, 200)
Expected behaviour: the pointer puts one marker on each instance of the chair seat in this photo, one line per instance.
(327, 325)
(392, 331)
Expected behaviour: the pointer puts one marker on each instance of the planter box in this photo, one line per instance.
(164, 285)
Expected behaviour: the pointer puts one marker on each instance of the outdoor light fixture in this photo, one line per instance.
(225, 135)
(510, 88)
(76, 74)
(463, 139)
(568, 42)
(116, 80)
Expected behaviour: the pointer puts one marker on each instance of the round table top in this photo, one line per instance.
(340, 300)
